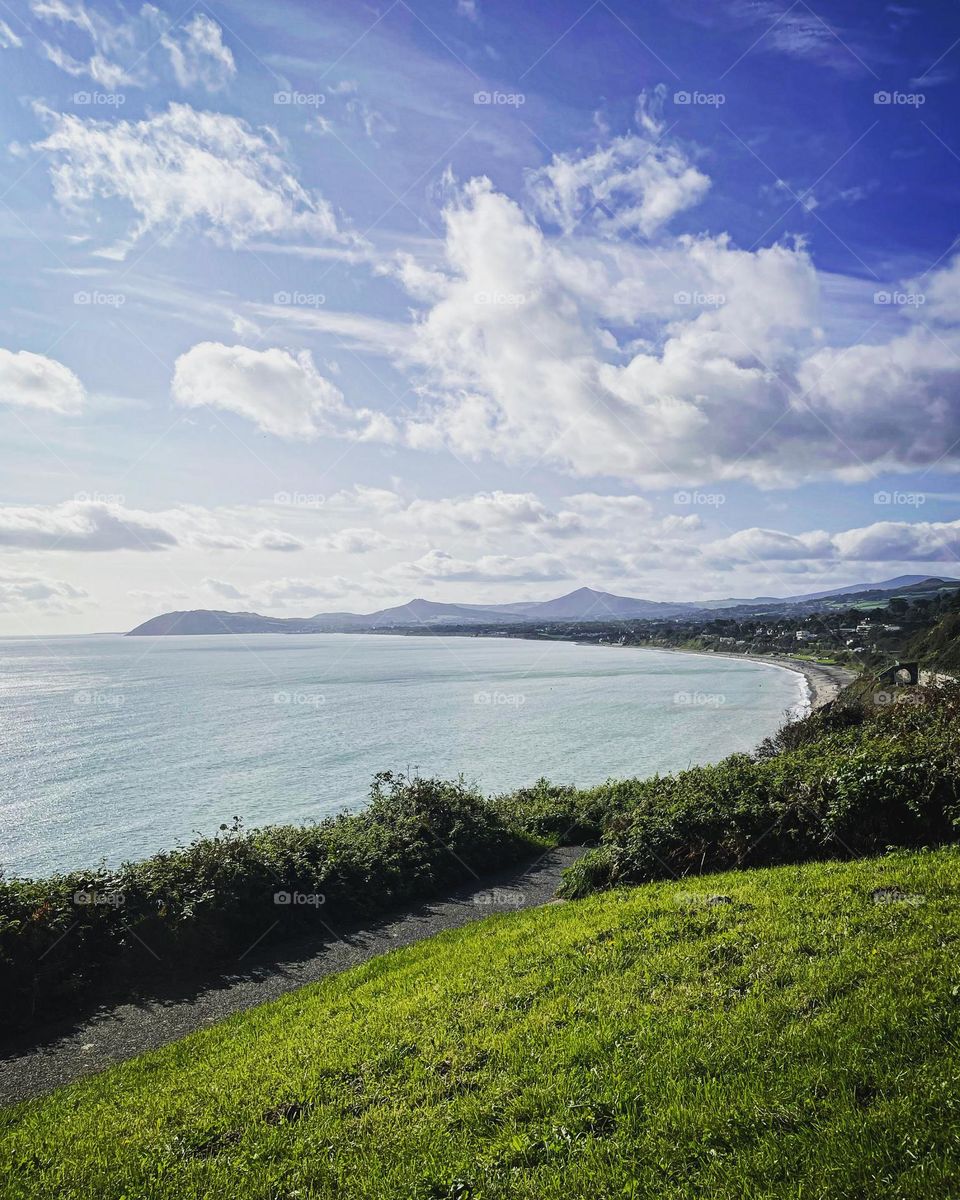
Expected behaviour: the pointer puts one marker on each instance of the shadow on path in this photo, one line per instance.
(103, 1033)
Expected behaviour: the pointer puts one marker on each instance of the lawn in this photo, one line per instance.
(785, 1032)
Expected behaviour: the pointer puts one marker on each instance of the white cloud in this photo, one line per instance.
(275, 539)
(92, 523)
(488, 568)
(198, 55)
(26, 593)
(279, 593)
(33, 381)
(106, 37)
(82, 525)
(101, 70)
(8, 39)
(683, 363)
(493, 513)
(280, 392)
(357, 541)
(184, 168)
(634, 184)
(221, 587)
(882, 542)
(65, 13)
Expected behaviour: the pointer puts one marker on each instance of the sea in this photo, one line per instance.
(114, 748)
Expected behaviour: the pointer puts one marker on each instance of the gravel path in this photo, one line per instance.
(111, 1034)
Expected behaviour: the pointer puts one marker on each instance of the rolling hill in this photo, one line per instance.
(583, 604)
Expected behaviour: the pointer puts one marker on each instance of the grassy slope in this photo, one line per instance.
(801, 1041)
(939, 646)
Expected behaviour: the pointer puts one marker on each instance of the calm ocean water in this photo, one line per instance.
(114, 748)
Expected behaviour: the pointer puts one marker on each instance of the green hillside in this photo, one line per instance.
(788, 1032)
(939, 646)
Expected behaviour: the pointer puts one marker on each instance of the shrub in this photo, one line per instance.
(852, 784)
(216, 897)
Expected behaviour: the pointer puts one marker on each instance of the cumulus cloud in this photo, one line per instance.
(488, 568)
(633, 184)
(882, 542)
(280, 392)
(33, 381)
(357, 541)
(275, 539)
(198, 55)
(184, 168)
(493, 512)
(93, 524)
(682, 363)
(27, 593)
(82, 525)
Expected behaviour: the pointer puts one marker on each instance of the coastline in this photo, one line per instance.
(823, 683)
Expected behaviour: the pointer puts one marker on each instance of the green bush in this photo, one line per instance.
(851, 785)
(216, 897)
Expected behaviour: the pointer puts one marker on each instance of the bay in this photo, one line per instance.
(114, 748)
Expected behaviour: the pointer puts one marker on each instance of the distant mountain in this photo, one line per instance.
(887, 585)
(584, 604)
(206, 620)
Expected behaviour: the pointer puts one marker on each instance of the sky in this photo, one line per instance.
(308, 307)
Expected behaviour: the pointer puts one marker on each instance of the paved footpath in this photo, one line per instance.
(112, 1034)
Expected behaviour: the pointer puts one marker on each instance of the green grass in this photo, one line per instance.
(800, 1041)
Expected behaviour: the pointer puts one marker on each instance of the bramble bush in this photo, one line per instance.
(212, 899)
(851, 783)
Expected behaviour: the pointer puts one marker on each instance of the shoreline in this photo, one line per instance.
(823, 682)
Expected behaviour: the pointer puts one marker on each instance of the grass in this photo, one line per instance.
(798, 1039)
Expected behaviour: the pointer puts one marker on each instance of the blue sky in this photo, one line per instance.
(318, 306)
